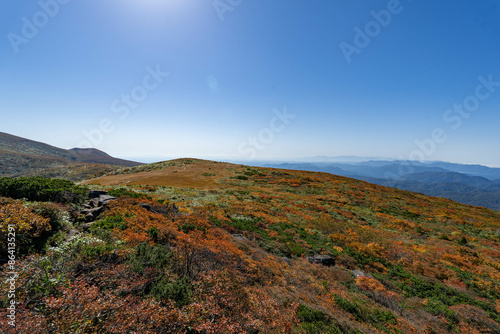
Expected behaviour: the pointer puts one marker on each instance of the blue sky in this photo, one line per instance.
(254, 79)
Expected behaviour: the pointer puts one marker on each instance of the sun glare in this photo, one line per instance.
(145, 14)
(157, 4)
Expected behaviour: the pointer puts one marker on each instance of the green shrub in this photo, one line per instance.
(364, 259)
(56, 238)
(440, 296)
(96, 250)
(296, 249)
(240, 177)
(398, 212)
(316, 322)
(104, 235)
(186, 228)
(178, 290)
(110, 223)
(436, 307)
(82, 245)
(124, 192)
(42, 190)
(350, 307)
(307, 314)
(383, 317)
(146, 255)
(463, 241)
(379, 319)
(245, 224)
(59, 223)
(215, 221)
(153, 233)
(57, 216)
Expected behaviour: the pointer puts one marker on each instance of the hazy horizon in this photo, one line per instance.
(263, 160)
(255, 80)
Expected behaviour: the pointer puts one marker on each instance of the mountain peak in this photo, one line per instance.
(89, 151)
(21, 156)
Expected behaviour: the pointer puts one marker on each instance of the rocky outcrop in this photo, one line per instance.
(359, 273)
(325, 260)
(91, 214)
(98, 200)
(95, 206)
(161, 209)
(97, 193)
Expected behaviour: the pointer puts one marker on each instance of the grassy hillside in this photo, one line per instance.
(234, 257)
(434, 179)
(24, 157)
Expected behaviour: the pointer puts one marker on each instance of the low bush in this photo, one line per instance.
(186, 228)
(316, 322)
(179, 290)
(146, 255)
(239, 177)
(42, 190)
(110, 223)
(123, 192)
(21, 230)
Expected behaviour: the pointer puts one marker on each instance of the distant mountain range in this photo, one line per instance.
(24, 157)
(469, 184)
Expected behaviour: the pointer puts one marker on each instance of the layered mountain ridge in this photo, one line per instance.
(24, 157)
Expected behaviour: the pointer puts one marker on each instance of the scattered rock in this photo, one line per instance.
(93, 203)
(87, 226)
(72, 232)
(358, 273)
(105, 199)
(96, 193)
(145, 206)
(95, 206)
(173, 209)
(98, 200)
(161, 209)
(325, 260)
(239, 236)
(92, 214)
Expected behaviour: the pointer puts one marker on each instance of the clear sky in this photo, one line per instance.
(255, 79)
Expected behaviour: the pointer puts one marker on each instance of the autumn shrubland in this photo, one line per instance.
(232, 256)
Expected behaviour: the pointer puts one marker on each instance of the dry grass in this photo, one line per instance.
(193, 174)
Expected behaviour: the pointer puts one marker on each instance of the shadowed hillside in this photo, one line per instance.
(24, 157)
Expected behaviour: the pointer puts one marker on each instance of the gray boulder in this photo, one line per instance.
(105, 199)
(325, 260)
(95, 205)
(358, 273)
(96, 193)
(92, 214)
